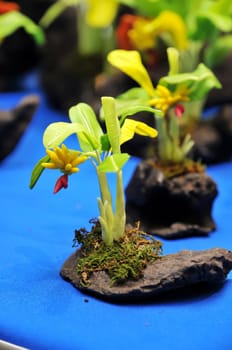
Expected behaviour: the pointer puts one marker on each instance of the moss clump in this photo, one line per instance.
(122, 260)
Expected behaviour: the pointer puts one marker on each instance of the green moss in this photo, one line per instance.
(122, 260)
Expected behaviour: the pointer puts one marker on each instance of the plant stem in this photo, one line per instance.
(120, 212)
(89, 38)
(104, 187)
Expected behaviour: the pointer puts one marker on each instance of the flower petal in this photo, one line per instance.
(130, 63)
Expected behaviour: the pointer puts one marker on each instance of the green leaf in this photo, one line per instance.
(37, 171)
(199, 82)
(112, 122)
(114, 163)
(56, 133)
(187, 144)
(220, 21)
(11, 21)
(217, 51)
(135, 93)
(131, 109)
(105, 143)
(87, 142)
(84, 115)
(55, 10)
(204, 29)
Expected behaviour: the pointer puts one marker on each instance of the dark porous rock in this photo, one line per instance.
(19, 54)
(173, 207)
(70, 78)
(213, 137)
(169, 273)
(14, 122)
(223, 72)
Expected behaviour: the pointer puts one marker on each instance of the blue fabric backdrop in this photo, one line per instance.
(41, 311)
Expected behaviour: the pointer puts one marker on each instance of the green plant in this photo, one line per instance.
(11, 20)
(102, 149)
(208, 26)
(171, 95)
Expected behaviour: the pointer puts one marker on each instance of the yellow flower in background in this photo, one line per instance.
(170, 25)
(97, 13)
(131, 127)
(101, 13)
(64, 159)
(165, 98)
(141, 34)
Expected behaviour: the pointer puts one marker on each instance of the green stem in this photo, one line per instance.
(89, 38)
(120, 212)
(104, 187)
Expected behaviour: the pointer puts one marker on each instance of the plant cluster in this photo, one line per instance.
(103, 149)
(172, 95)
(201, 30)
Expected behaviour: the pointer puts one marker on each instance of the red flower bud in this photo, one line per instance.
(179, 110)
(62, 182)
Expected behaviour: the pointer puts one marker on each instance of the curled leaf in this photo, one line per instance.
(132, 127)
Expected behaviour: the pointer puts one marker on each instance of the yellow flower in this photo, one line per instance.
(101, 13)
(165, 98)
(131, 127)
(64, 159)
(130, 63)
(145, 32)
(141, 34)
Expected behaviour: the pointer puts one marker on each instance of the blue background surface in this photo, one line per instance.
(40, 311)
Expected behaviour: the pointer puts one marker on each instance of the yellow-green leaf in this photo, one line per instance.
(114, 163)
(84, 115)
(56, 133)
(131, 127)
(112, 122)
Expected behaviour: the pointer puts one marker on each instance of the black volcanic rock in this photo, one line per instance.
(173, 207)
(169, 273)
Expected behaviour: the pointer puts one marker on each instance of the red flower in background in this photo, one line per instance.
(125, 24)
(124, 42)
(8, 6)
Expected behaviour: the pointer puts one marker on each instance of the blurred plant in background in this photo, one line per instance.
(171, 95)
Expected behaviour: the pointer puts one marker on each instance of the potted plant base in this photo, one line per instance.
(171, 207)
(151, 278)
